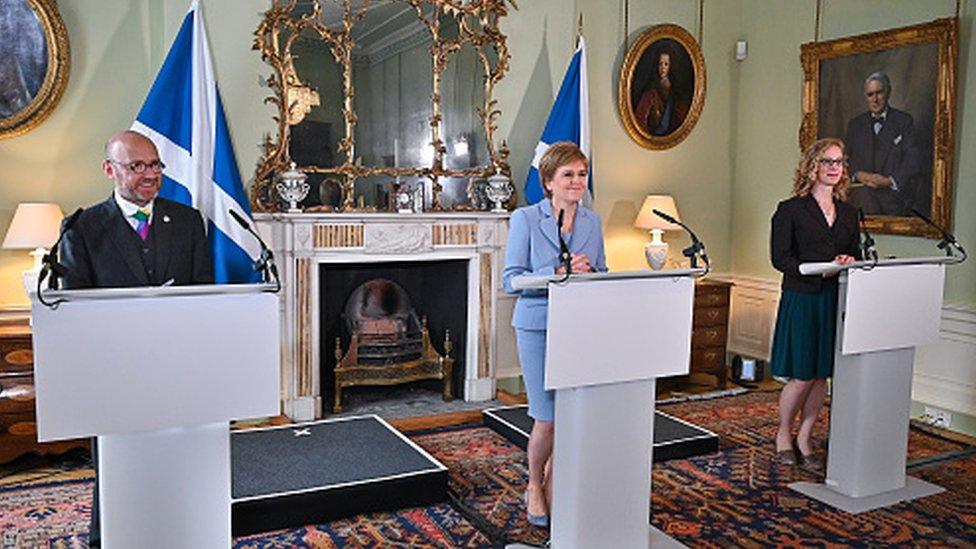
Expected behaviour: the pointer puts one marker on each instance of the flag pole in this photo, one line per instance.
(579, 29)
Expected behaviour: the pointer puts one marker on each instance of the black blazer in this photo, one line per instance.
(99, 251)
(800, 234)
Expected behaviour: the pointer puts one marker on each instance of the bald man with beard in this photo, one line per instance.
(134, 238)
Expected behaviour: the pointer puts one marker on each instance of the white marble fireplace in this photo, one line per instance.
(303, 243)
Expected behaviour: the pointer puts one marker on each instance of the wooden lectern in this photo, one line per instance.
(157, 374)
(609, 336)
(885, 310)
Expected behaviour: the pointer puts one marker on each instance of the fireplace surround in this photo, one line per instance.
(306, 245)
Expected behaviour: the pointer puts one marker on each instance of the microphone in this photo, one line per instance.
(696, 248)
(947, 238)
(867, 245)
(564, 256)
(265, 263)
(50, 260)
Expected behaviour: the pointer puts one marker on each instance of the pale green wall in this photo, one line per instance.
(768, 119)
(697, 172)
(117, 47)
(726, 177)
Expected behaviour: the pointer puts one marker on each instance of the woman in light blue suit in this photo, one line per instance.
(533, 249)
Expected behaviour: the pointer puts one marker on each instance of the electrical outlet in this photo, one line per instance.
(937, 417)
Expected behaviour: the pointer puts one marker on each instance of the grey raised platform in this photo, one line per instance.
(309, 473)
(673, 438)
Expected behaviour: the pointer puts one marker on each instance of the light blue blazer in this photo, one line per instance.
(533, 249)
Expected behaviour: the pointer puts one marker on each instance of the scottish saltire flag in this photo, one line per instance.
(183, 115)
(569, 120)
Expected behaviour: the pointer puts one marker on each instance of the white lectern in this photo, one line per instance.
(156, 374)
(609, 336)
(885, 310)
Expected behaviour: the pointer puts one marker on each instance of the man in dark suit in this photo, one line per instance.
(884, 158)
(134, 238)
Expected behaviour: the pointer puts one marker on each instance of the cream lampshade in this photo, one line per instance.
(656, 251)
(35, 227)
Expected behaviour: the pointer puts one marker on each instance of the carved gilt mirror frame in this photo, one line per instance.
(477, 26)
(34, 65)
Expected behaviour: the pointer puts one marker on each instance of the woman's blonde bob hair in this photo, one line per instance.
(559, 154)
(806, 171)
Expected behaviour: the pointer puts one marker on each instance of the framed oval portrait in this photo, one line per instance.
(34, 63)
(662, 87)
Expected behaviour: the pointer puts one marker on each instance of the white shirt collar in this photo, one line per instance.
(130, 208)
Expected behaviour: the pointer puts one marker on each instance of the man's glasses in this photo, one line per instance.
(833, 161)
(139, 166)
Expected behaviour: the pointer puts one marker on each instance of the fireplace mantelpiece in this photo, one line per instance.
(303, 242)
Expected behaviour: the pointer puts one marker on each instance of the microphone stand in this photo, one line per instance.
(948, 242)
(265, 263)
(867, 244)
(565, 258)
(51, 267)
(697, 247)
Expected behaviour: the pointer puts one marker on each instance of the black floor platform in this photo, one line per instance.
(313, 472)
(673, 438)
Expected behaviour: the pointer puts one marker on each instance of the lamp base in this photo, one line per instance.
(656, 254)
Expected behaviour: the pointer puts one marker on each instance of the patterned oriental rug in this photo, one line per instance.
(737, 497)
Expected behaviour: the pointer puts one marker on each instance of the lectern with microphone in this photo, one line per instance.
(886, 308)
(609, 336)
(156, 374)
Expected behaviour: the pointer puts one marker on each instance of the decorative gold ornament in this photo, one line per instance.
(477, 23)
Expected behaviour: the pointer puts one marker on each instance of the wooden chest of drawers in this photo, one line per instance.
(18, 430)
(709, 333)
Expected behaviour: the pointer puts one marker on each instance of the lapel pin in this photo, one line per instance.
(165, 219)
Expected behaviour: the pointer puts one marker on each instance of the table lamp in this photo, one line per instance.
(656, 251)
(35, 227)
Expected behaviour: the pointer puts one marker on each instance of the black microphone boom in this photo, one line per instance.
(565, 258)
(868, 253)
(50, 259)
(947, 238)
(696, 248)
(265, 263)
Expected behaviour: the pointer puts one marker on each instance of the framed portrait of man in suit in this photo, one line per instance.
(890, 96)
(34, 63)
(662, 87)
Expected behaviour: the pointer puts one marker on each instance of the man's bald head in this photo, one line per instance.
(125, 138)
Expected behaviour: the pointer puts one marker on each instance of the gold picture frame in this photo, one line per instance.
(919, 63)
(31, 84)
(660, 110)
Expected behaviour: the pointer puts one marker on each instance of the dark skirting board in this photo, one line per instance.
(313, 472)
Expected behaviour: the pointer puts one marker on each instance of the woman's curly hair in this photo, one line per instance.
(806, 170)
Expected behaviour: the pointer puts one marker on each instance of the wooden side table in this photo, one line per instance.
(710, 326)
(18, 428)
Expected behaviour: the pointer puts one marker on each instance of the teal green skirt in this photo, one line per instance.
(803, 344)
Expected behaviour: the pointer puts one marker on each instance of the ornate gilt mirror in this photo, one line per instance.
(376, 96)
(34, 63)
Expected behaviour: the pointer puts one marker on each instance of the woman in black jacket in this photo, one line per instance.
(815, 224)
